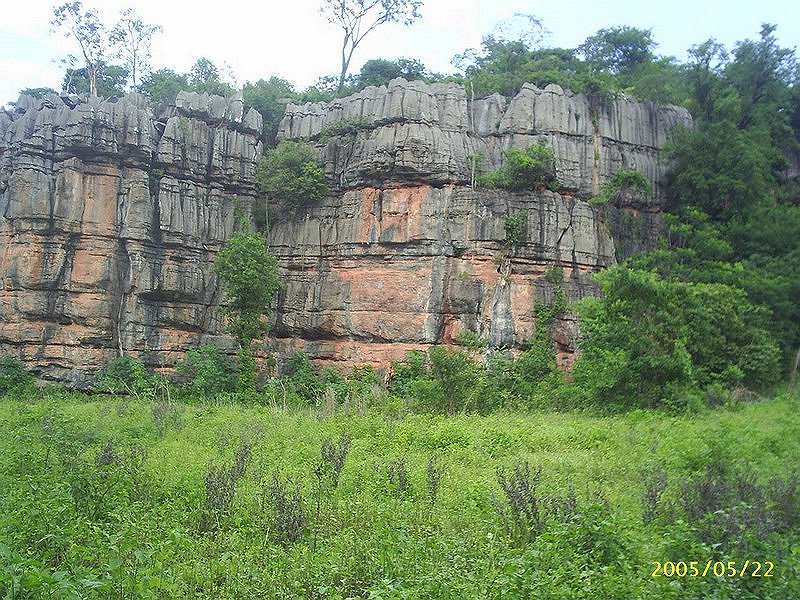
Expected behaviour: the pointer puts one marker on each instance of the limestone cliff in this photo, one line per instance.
(406, 253)
(110, 218)
(111, 215)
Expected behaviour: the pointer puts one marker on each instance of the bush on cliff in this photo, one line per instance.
(126, 375)
(289, 176)
(529, 169)
(209, 370)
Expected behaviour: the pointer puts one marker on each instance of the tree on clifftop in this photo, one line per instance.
(132, 37)
(85, 27)
(357, 18)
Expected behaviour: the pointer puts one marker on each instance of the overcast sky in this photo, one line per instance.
(289, 38)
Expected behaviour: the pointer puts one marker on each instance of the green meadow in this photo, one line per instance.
(112, 497)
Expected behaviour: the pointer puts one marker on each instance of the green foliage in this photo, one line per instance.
(529, 169)
(248, 272)
(729, 180)
(470, 339)
(268, 97)
(624, 182)
(443, 380)
(132, 38)
(619, 50)
(357, 18)
(97, 504)
(13, 374)
(304, 381)
(209, 370)
(162, 86)
(290, 176)
(109, 79)
(204, 77)
(648, 337)
(342, 128)
(84, 28)
(39, 92)
(516, 228)
(379, 71)
(126, 375)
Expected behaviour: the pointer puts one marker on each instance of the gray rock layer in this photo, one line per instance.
(413, 130)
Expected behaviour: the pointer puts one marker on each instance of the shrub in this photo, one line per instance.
(529, 169)
(399, 478)
(289, 175)
(334, 454)
(283, 501)
(220, 485)
(210, 371)
(127, 375)
(343, 128)
(115, 473)
(13, 374)
(723, 506)
(303, 380)
(515, 226)
(456, 374)
(434, 472)
(648, 338)
(470, 339)
(528, 511)
(404, 373)
(624, 181)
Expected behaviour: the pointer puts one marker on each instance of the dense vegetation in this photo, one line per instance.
(156, 497)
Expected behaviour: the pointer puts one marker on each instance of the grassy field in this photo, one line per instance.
(111, 498)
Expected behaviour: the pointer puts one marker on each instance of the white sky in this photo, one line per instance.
(289, 38)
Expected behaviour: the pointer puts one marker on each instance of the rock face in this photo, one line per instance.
(110, 218)
(407, 253)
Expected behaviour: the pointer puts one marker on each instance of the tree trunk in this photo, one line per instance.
(793, 377)
(91, 70)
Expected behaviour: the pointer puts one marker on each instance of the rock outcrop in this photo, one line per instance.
(406, 253)
(110, 218)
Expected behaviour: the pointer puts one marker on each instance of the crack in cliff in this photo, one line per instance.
(571, 209)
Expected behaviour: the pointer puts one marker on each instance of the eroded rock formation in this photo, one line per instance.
(110, 218)
(407, 253)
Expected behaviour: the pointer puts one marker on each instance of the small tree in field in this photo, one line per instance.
(357, 18)
(249, 275)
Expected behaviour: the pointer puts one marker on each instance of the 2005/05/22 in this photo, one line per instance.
(716, 568)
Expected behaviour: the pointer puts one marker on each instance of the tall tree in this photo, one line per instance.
(357, 18)
(620, 51)
(87, 30)
(268, 97)
(379, 71)
(163, 85)
(132, 38)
